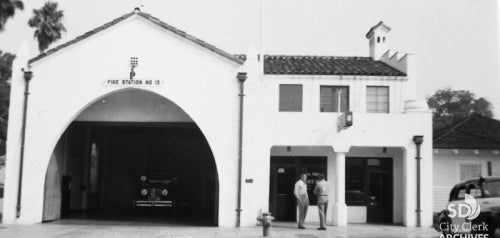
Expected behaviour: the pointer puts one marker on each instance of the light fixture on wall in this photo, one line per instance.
(384, 150)
(288, 148)
(134, 61)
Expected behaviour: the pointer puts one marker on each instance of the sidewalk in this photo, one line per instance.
(76, 229)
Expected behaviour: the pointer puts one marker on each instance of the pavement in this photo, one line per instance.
(95, 228)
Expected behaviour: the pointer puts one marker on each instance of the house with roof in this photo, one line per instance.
(467, 149)
(137, 97)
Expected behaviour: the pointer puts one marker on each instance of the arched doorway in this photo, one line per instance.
(132, 155)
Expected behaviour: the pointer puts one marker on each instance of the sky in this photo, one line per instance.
(456, 42)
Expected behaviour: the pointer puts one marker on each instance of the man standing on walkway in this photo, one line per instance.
(321, 191)
(300, 192)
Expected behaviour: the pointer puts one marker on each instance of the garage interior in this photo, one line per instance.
(96, 167)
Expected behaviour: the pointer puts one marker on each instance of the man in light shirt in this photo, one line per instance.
(321, 191)
(300, 192)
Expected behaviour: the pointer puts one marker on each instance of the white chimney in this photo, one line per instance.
(377, 36)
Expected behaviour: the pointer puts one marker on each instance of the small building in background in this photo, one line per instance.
(468, 149)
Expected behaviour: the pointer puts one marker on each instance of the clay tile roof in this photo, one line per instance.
(326, 65)
(153, 20)
(474, 132)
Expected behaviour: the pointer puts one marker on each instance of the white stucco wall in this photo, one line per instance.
(266, 127)
(202, 83)
(134, 106)
(447, 171)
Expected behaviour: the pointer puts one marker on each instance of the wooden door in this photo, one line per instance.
(379, 196)
(283, 179)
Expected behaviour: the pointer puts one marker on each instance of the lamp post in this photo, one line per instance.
(418, 141)
(28, 75)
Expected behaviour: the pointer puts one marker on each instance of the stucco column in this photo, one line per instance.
(339, 207)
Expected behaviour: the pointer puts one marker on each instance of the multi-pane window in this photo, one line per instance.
(329, 98)
(377, 99)
(290, 98)
(469, 171)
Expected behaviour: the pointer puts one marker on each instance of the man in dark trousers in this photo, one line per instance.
(300, 192)
(321, 191)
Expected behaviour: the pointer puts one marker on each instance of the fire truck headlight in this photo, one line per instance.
(144, 192)
(164, 192)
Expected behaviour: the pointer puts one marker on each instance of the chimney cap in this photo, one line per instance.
(381, 24)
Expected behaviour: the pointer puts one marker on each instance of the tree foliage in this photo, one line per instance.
(450, 106)
(8, 9)
(5, 75)
(48, 25)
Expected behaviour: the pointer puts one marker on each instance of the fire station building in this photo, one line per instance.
(138, 97)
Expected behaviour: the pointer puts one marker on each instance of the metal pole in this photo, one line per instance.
(418, 141)
(242, 76)
(28, 75)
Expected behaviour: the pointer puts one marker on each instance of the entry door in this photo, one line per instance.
(283, 201)
(379, 199)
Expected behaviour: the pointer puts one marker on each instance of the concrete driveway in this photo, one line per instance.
(90, 228)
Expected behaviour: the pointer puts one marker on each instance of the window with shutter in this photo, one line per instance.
(377, 99)
(329, 98)
(290, 98)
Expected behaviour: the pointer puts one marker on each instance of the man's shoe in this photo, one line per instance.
(322, 228)
(301, 227)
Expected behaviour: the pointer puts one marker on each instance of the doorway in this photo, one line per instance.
(369, 184)
(284, 173)
(152, 172)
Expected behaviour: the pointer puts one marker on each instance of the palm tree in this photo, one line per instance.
(48, 25)
(8, 9)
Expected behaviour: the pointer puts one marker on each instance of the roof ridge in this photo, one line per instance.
(316, 56)
(148, 17)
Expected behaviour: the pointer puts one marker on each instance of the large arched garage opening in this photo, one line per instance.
(126, 142)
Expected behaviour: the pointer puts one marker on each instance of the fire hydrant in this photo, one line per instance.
(266, 220)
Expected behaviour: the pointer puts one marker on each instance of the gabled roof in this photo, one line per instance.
(380, 24)
(474, 132)
(150, 18)
(326, 65)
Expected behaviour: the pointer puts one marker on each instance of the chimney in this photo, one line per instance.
(377, 36)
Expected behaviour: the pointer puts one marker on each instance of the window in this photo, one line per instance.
(474, 190)
(286, 170)
(469, 171)
(377, 99)
(491, 188)
(290, 98)
(94, 166)
(460, 193)
(329, 98)
(355, 182)
(367, 181)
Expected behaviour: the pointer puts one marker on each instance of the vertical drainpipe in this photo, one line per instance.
(28, 75)
(418, 141)
(242, 76)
